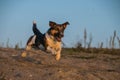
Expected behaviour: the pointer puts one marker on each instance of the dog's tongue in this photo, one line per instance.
(58, 39)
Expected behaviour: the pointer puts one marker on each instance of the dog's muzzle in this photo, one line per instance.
(59, 36)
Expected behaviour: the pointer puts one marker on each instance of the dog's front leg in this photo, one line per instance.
(58, 54)
(55, 51)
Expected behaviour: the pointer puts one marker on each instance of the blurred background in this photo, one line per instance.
(92, 22)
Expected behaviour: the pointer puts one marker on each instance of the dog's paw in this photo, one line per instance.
(57, 57)
(23, 54)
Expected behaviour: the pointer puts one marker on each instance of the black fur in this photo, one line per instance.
(39, 36)
(41, 39)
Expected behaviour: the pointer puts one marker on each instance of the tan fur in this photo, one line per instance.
(58, 55)
(52, 39)
(24, 54)
(53, 46)
(53, 32)
(28, 46)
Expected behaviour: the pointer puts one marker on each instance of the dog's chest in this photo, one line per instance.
(53, 44)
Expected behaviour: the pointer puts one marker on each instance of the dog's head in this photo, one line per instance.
(57, 30)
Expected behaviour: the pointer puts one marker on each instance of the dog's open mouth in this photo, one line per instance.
(58, 39)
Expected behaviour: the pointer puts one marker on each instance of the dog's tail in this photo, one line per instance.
(35, 30)
(39, 35)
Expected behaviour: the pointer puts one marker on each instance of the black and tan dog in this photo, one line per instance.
(51, 40)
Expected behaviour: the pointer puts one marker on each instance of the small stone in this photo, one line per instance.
(30, 75)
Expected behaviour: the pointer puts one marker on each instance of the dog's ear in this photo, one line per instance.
(65, 24)
(52, 24)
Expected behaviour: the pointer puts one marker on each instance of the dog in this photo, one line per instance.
(51, 40)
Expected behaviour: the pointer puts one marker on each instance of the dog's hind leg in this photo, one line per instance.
(30, 42)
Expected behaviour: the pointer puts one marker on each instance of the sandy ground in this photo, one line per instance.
(39, 65)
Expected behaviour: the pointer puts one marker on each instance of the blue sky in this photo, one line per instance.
(99, 17)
